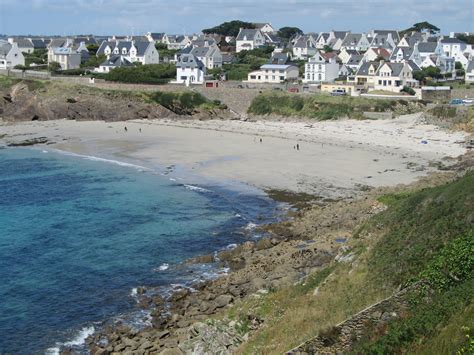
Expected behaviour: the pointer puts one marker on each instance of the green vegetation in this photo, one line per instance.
(468, 39)
(143, 74)
(426, 234)
(38, 56)
(184, 103)
(287, 33)
(7, 82)
(94, 61)
(421, 27)
(408, 90)
(164, 52)
(229, 28)
(93, 48)
(322, 107)
(427, 73)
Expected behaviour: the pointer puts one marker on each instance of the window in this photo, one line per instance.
(282, 78)
(273, 77)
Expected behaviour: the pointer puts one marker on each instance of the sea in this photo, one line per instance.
(79, 234)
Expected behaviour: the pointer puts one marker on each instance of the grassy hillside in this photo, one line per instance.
(324, 107)
(423, 235)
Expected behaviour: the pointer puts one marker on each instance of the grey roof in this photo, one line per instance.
(185, 50)
(364, 68)
(325, 35)
(395, 35)
(452, 41)
(352, 39)
(117, 61)
(470, 66)
(304, 42)
(427, 47)
(23, 42)
(228, 58)
(340, 34)
(407, 52)
(189, 61)
(5, 48)
(272, 38)
(396, 67)
(355, 59)
(123, 44)
(247, 33)
(103, 45)
(278, 58)
(57, 42)
(141, 47)
(414, 38)
(200, 51)
(413, 65)
(38, 43)
(157, 36)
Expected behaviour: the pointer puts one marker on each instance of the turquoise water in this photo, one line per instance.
(77, 235)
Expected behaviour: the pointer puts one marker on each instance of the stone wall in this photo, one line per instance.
(340, 338)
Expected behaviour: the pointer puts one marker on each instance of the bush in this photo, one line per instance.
(408, 90)
(182, 103)
(144, 74)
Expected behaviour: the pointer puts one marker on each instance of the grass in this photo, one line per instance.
(7, 82)
(424, 234)
(183, 103)
(321, 107)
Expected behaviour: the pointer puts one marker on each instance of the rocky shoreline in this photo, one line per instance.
(191, 319)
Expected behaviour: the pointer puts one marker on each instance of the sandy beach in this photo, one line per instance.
(335, 158)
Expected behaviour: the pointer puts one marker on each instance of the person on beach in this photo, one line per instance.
(260, 140)
(297, 146)
(140, 130)
(125, 129)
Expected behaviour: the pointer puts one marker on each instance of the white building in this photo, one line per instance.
(10, 55)
(190, 70)
(318, 69)
(113, 62)
(135, 51)
(274, 74)
(304, 47)
(265, 27)
(210, 56)
(394, 76)
(24, 44)
(65, 56)
(470, 73)
(248, 39)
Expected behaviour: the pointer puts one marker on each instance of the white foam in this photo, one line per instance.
(81, 337)
(250, 226)
(231, 246)
(196, 188)
(172, 179)
(45, 151)
(238, 215)
(52, 351)
(104, 160)
(134, 292)
(163, 267)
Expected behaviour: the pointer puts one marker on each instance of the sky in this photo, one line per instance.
(127, 17)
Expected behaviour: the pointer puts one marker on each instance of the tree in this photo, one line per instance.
(54, 67)
(328, 49)
(93, 48)
(429, 72)
(457, 65)
(468, 39)
(424, 26)
(287, 33)
(231, 28)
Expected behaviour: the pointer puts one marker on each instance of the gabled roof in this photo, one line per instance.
(201, 51)
(189, 61)
(340, 34)
(427, 47)
(304, 42)
(141, 47)
(278, 58)
(38, 43)
(117, 61)
(104, 45)
(23, 42)
(470, 66)
(406, 51)
(156, 36)
(247, 34)
(272, 38)
(57, 42)
(381, 52)
(352, 39)
(395, 67)
(452, 41)
(355, 59)
(394, 33)
(364, 68)
(5, 48)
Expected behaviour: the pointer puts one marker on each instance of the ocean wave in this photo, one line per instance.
(162, 267)
(104, 160)
(250, 226)
(78, 341)
(195, 188)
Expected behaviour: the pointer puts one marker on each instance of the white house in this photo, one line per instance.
(469, 78)
(10, 55)
(67, 57)
(210, 56)
(190, 70)
(345, 54)
(427, 49)
(24, 44)
(318, 69)
(155, 37)
(323, 40)
(265, 27)
(394, 76)
(355, 41)
(248, 39)
(453, 48)
(373, 53)
(401, 54)
(304, 47)
(135, 51)
(336, 38)
(114, 61)
(274, 74)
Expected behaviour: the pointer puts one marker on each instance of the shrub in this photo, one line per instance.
(408, 90)
(144, 74)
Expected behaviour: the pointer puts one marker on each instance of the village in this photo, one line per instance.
(378, 62)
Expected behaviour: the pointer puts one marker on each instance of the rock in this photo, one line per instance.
(163, 334)
(146, 345)
(120, 347)
(174, 351)
(222, 301)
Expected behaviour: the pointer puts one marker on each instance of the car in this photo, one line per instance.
(456, 102)
(338, 92)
